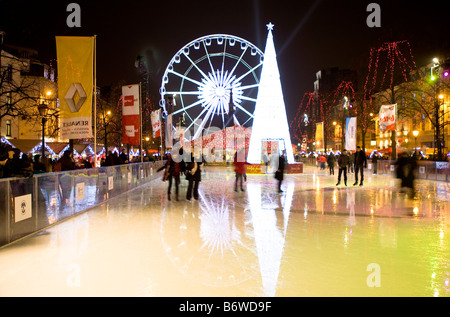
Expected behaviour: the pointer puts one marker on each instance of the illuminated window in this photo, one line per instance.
(8, 127)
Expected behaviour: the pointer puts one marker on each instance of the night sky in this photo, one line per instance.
(309, 35)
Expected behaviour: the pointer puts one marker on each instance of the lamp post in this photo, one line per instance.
(43, 111)
(105, 123)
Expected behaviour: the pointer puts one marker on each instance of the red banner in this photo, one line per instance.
(387, 117)
(130, 114)
(156, 123)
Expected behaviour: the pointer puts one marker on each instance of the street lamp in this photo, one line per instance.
(105, 125)
(435, 65)
(415, 133)
(43, 111)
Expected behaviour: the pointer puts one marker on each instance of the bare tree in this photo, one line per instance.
(20, 94)
(109, 116)
(424, 98)
(16, 95)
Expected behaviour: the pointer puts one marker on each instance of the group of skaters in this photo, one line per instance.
(176, 168)
(354, 162)
(357, 162)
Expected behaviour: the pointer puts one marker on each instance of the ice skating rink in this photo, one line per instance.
(314, 239)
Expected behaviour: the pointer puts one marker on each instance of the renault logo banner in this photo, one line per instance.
(75, 105)
(75, 85)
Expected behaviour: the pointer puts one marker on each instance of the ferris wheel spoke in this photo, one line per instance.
(249, 72)
(186, 78)
(243, 109)
(209, 59)
(249, 86)
(236, 120)
(248, 98)
(187, 107)
(224, 53)
(249, 118)
(196, 66)
(238, 61)
(204, 120)
(182, 92)
(198, 117)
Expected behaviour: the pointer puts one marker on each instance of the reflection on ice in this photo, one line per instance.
(269, 238)
(309, 240)
(351, 208)
(216, 231)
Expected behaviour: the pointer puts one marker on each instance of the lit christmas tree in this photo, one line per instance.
(270, 121)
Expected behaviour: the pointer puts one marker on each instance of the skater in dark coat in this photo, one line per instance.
(360, 163)
(194, 176)
(172, 172)
(343, 163)
(279, 174)
(406, 166)
(331, 160)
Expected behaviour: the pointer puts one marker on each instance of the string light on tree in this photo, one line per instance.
(303, 117)
(389, 65)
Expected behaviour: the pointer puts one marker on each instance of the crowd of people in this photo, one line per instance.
(13, 163)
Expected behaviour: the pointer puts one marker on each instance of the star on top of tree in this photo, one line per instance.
(270, 26)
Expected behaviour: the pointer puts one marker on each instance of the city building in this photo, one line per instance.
(27, 83)
(334, 90)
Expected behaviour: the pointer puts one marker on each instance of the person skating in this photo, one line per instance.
(279, 174)
(360, 163)
(239, 168)
(331, 160)
(343, 162)
(406, 166)
(375, 163)
(322, 160)
(172, 171)
(194, 176)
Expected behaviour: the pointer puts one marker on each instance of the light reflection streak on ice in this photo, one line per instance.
(268, 238)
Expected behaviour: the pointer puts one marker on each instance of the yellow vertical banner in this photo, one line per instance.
(319, 136)
(75, 56)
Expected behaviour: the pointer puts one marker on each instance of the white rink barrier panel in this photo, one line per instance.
(28, 205)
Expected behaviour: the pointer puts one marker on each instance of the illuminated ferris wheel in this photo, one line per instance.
(212, 82)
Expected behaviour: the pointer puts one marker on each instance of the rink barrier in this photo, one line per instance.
(430, 170)
(29, 205)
